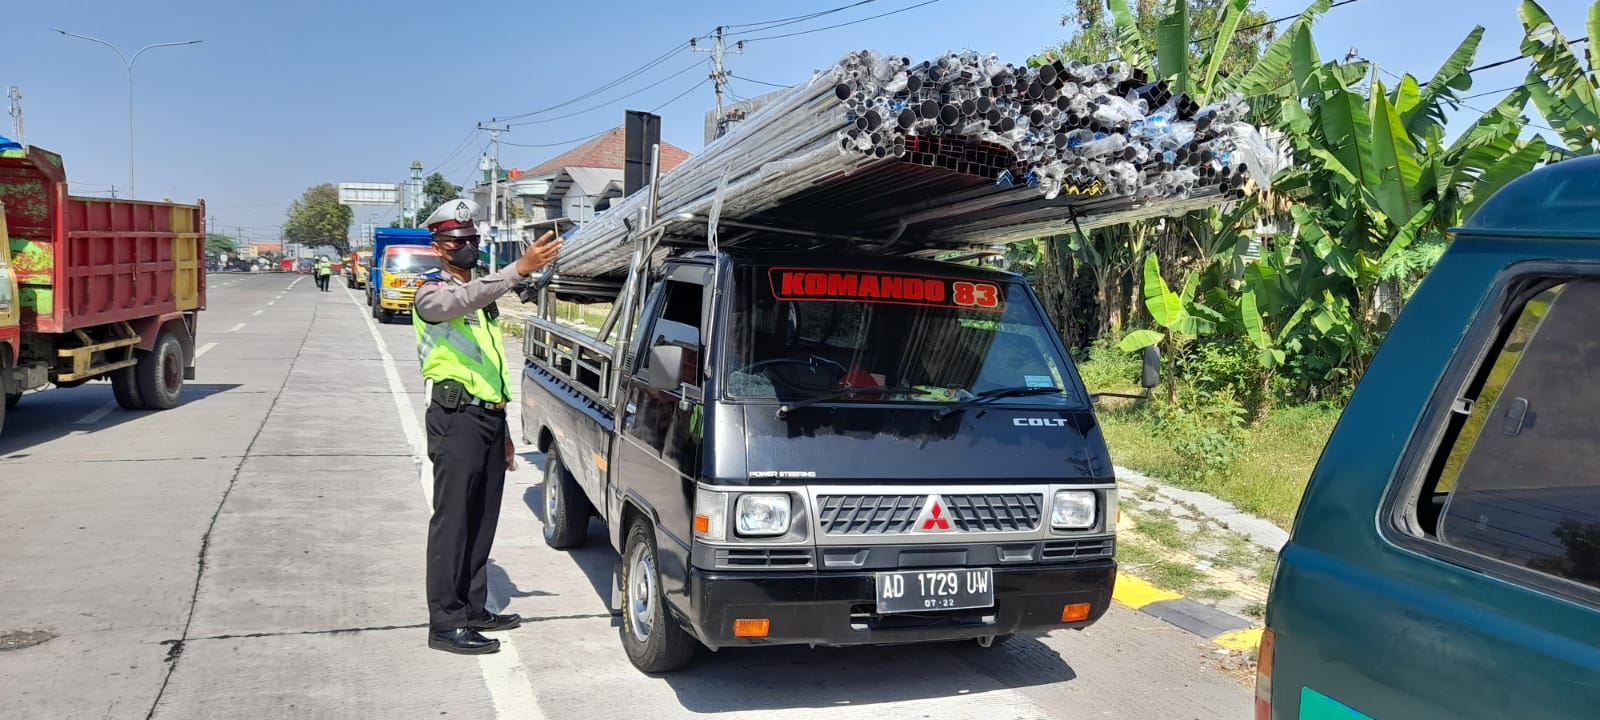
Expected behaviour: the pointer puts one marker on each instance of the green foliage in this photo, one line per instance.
(1566, 92)
(317, 218)
(1204, 430)
(1200, 40)
(219, 243)
(1230, 368)
(1106, 368)
(436, 191)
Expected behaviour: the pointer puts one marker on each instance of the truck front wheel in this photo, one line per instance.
(654, 641)
(160, 373)
(566, 511)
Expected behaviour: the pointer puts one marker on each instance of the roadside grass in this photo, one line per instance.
(1269, 474)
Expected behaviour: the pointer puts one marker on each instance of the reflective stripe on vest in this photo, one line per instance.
(471, 354)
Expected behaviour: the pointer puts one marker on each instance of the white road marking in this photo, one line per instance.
(296, 282)
(204, 349)
(503, 673)
(258, 312)
(95, 416)
(236, 328)
(272, 302)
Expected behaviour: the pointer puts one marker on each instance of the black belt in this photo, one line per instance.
(452, 395)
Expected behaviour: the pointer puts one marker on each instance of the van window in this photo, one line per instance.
(1518, 483)
(679, 322)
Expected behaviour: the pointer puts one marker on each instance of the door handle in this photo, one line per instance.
(628, 417)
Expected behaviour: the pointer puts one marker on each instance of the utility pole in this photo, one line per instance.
(494, 191)
(719, 75)
(16, 116)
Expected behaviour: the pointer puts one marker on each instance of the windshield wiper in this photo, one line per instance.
(786, 408)
(995, 394)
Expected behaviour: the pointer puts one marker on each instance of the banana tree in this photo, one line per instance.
(1566, 93)
(1182, 319)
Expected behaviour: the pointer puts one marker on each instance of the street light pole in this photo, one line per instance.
(129, 63)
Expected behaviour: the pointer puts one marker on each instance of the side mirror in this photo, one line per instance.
(666, 367)
(1152, 368)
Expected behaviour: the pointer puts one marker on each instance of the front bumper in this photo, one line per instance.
(400, 304)
(839, 608)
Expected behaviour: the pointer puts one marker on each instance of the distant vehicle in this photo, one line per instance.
(355, 276)
(1445, 562)
(401, 256)
(94, 288)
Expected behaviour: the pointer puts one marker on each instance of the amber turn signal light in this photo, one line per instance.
(702, 524)
(1076, 612)
(751, 627)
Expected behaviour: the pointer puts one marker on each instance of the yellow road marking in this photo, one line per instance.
(1239, 640)
(1137, 593)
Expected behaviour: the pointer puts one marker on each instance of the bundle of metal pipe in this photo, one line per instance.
(1067, 132)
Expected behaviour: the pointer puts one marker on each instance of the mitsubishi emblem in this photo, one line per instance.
(933, 517)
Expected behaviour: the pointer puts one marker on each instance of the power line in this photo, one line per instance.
(1517, 87)
(608, 103)
(659, 59)
(558, 143)
(1523, 56)
(465, 141)
(770, 24)
(759, 82)
(843, 24)
(680, 96)
(1258, 26)
(1460, 101)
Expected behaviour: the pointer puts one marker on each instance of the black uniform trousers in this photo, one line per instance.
(468, 450)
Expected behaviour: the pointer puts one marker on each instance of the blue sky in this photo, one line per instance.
(284, 95)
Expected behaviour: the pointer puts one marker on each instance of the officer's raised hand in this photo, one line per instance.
(539, 254)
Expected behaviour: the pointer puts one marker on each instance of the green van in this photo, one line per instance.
(1445, 562)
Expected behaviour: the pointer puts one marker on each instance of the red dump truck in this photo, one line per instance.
(94, 288)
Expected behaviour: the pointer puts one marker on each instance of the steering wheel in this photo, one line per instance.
(807, 362)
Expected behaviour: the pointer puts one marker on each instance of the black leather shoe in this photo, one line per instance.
(491, 623)
(462, 641)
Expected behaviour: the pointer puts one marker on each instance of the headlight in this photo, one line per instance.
(1073, 510)
(391, 294)
(766, 514)
(710, 515)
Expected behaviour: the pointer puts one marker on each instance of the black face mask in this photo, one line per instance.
(464, 257)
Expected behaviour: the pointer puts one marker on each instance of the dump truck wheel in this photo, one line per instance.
(160, 373)
(125, 387)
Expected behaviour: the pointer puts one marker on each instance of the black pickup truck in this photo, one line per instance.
(852, 450)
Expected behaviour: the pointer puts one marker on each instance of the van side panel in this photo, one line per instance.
(1362, 613)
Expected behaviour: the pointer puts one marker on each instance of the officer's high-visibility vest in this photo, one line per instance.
(469, 350)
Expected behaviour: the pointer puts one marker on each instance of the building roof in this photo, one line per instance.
(593, 181)
(605, 151)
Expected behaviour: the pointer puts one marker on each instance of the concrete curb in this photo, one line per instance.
(1221, 628)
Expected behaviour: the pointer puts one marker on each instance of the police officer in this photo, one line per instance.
(464, 362)
(323, 269)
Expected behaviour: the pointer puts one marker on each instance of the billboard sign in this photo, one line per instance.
(369, 194)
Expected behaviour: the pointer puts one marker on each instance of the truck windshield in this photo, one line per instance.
(800, 333)
(412, 262)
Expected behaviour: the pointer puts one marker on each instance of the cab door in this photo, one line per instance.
(660, 431)
(10, 300)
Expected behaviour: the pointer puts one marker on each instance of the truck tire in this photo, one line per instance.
(386, 316)
(654, 641)
(566, 510)
(5, 391)
(125, 387)
(160, 373)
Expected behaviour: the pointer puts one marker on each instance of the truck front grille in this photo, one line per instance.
(869, 514)
(1000, 512)
(897, 514)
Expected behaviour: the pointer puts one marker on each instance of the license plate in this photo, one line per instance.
(935, 590)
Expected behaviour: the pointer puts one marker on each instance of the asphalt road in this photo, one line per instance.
(258, 552)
